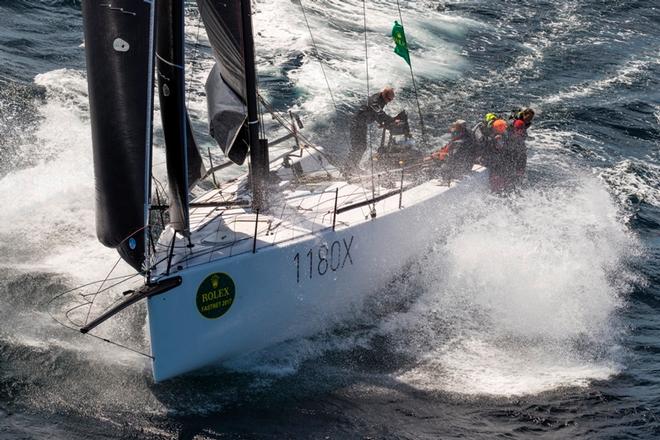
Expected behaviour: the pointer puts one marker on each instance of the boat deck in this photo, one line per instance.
(300, 205)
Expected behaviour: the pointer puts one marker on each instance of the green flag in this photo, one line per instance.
(401, 46)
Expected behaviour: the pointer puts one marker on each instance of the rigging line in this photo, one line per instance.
(111, 305)
(325, 76)
(59, 295)
(77, 330)
(307, 142)
(117, 344)
(160, 184)
(412, 75)
(318, 54)
(99, 289)
(169, 63)
(366, 60)
(111, 286)
(125, 347)
(260, 113)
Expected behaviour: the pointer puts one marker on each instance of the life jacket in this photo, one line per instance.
(519, 127)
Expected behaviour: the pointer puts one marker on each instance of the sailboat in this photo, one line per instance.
(285, 250)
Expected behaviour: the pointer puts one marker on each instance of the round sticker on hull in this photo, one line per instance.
(215, 295)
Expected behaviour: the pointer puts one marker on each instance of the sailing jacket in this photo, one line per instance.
(372, 111)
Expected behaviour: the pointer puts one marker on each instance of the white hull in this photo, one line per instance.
(298, 286)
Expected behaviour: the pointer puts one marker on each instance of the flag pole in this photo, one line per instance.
(401, 49)
(419, 108)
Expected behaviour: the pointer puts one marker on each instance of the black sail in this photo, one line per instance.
(170, 61)
(225, 86)
(196, 167)
(222, 21)
(119, 50)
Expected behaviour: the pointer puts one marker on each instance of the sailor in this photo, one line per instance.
(501, 157)
(371, 111)
(518, 147)
(460, 153)
(483, 133)
(526, 115)
(522, 120)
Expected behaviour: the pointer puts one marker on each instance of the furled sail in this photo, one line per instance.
(196, 168)
(225, 86)
(170, 61)
(119, 49)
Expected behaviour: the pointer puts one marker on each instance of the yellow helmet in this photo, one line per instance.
(490, 117)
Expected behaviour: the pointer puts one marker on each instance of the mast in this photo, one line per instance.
(259, 161)
(171, 85)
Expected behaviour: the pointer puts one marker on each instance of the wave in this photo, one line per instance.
(634, 181)
(525, 299)
(626, 75)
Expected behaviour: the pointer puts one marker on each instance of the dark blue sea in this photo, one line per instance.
(532, 315)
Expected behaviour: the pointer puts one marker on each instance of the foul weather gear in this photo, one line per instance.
(370, 112)
(460, 153)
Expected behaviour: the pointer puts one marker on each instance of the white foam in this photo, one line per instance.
(50, 205)
(338, 33)
(625, 75)
(634, 178)
(565, 20)
(68, 87)
(523, 299)
(475, 366)
(49, 218)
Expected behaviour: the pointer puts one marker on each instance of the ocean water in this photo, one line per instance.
(535, 315)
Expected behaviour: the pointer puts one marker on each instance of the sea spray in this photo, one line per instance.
(524, 298)
(48, 238)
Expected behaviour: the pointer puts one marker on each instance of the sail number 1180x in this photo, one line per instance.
(320, 260)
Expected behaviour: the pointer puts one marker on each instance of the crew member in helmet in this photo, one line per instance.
(371, 111)
(500, 157)
(482, 131)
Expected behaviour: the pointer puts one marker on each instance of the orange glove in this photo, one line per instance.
(441, 154)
